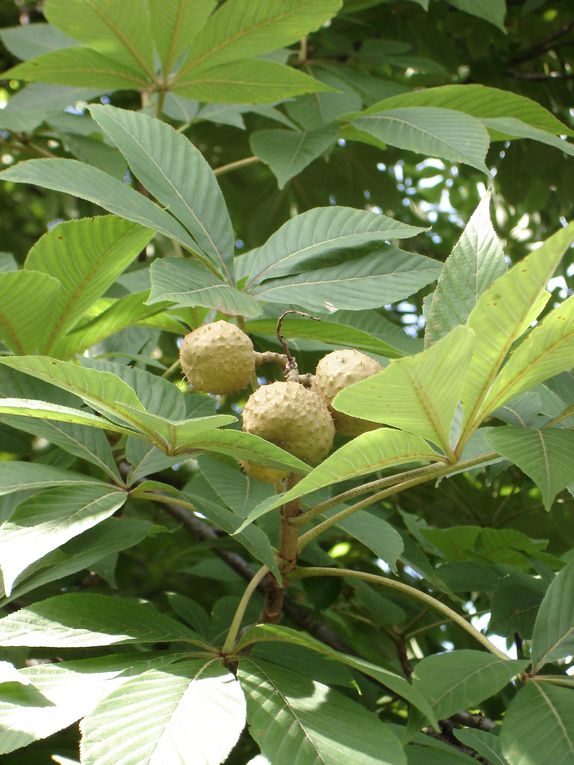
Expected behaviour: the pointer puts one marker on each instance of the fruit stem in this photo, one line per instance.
(384, 581)
(434, 472)
(357, 491)
(288, 545)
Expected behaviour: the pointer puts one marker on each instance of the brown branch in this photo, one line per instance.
(543, 46)
(539, 76)
(301, 616)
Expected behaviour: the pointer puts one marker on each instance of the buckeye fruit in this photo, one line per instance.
(217, 358)
(292, 417)
(336, 371)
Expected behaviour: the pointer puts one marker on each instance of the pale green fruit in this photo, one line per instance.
(336, 371)
(217, 358)
(292, 417)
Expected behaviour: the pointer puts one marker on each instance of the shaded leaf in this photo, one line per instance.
(186, 283)
(176, 173)
(294, 719)
(310, 237)
(87, 182)
(539, 722)
(546, 456)
(475, 262)
(553, 636)
(48, 520)
(396, 683)
(460, 679)
(381, 277)
(288, 152)
(431, 131)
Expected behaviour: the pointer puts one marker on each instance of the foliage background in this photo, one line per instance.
(372, 50)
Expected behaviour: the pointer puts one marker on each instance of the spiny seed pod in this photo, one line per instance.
(217, 358)
(292, 417)
(336, 371)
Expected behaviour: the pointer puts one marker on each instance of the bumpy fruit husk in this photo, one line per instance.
(292, 417)
(217, 358)
(336, 371)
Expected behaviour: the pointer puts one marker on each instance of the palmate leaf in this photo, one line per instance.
(486, 744)
(79, 620)
(431, 131)
(31, 40)
(21, 476)
(461, 679)
(475, 262)
(545, 352)
(101, 390)
(287, 152)
(419, 394)
(377, 535)
(57, 695)
(336, 333)
(239, 30)
(478, 101)
(500, 317)
(553, 636)
(87, 182)
(243, 446)
(127, 311)
(249, 82)
(188, 284)
(176, 174)
(492, 11)
(396, 683)
(383, 276)
(379, 449)
(80, 553)
(81, 67)
(48, 520)
(86, 256)
(316, 234)
(518, 129)
(295, 719)
(25, 323)
(108, 26)
(175, 435)
(547, 456)
(190, 712)
(539, 725)
(173, 25)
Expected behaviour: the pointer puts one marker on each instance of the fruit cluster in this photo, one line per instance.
(220, 358)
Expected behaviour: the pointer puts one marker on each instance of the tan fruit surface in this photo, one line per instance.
(336, 371)
(217, 358)
(292, 417)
